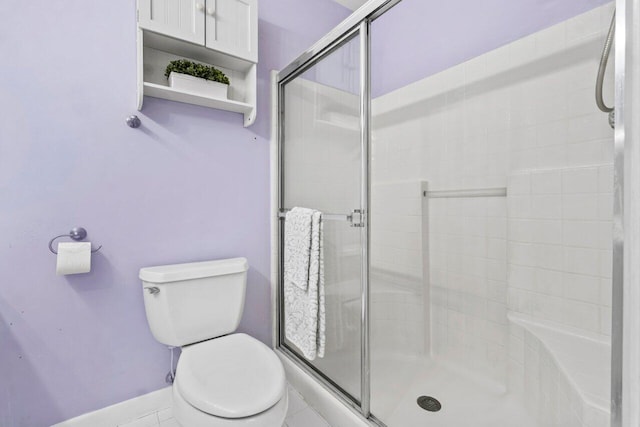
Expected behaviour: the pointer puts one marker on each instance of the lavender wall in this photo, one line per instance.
(191, 184)
(419, 38)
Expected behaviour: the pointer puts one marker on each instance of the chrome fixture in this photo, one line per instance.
(153, 290)
(356, 217)
(465, 193)
(133, 121)
(77, 234)
(602, 70)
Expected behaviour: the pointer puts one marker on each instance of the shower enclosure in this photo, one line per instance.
(467, 187)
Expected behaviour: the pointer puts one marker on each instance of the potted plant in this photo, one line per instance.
(201, 79)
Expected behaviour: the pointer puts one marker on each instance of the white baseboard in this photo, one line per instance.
(122, 412)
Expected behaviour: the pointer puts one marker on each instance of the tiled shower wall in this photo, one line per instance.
(468, 280)
(560, 235)
(523, 113)
(399, 298)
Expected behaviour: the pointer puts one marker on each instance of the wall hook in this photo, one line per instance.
(133, 121)
(77, 234)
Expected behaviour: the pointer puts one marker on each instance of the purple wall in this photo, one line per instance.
(192, 184)
(418, 38)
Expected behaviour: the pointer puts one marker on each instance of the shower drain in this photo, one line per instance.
(429, 403)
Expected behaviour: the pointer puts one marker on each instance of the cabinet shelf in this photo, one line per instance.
(156, 51)
(223, 34)
(165, 92)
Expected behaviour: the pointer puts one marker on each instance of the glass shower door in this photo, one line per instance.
(321, 161)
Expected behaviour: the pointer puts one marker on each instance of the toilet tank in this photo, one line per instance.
(188, 303)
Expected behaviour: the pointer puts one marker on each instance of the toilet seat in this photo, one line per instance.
(234, 376)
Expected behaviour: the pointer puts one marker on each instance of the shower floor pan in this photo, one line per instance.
(466, 402)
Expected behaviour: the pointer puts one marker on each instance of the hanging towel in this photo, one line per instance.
(304, 290)
(298, 238)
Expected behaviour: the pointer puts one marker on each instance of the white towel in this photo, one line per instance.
(298, 235)
(304, 291)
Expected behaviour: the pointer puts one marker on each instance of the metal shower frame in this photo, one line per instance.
(359, 24)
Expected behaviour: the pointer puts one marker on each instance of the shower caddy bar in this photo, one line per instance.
(472, 192)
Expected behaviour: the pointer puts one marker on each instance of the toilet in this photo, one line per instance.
(223, 379)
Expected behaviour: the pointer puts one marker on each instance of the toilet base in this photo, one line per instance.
(188, 416)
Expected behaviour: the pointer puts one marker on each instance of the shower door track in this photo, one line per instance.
(359, 23)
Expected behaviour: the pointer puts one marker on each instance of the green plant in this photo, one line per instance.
(195, 69)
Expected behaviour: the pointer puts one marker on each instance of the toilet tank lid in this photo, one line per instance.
(193, 270)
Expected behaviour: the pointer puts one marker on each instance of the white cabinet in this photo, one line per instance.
(221, 33)
(231, 27)
(182, 19)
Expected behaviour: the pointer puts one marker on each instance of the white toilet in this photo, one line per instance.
(223, 379)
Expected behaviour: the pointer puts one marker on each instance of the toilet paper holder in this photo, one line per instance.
(77, 234)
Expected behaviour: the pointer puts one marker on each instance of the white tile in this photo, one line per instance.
(548, 282)
(605, 207)
(547, 231)
(580, 206)
(582, 288)
(522, 254)
(306, 418)
(546, 207)
(606, 263)
(605, 179)
(582, 261)
(296, 402)
(521, 276)
(590, 126)
(523, 139)
(588, 152)
(519, 206)
(149, 420)
(605, 292)
(605, 320)
(552, 134)
(582, 315)
(551, 157)
(548, 256)
(165, 414)
(519, 184)
(580, 180)
(586, 234)
(497, 248)
(546, 182)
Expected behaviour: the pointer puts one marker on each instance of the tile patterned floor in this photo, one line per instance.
(299, 414)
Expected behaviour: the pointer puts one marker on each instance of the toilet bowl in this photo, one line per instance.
(223, 379)
(229, 381)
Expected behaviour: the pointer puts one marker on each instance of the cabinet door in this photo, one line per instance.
(182, 19)
(232, 27)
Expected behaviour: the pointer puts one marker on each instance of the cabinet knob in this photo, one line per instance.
(200, 6)
(211, 11)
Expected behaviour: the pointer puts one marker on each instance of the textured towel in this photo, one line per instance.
(298, 236)
(304, 301)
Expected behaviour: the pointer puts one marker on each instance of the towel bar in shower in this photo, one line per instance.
(355, 217)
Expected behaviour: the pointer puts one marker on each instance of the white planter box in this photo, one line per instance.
(198, 86)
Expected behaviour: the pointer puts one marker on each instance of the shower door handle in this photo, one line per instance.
(357, 218)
